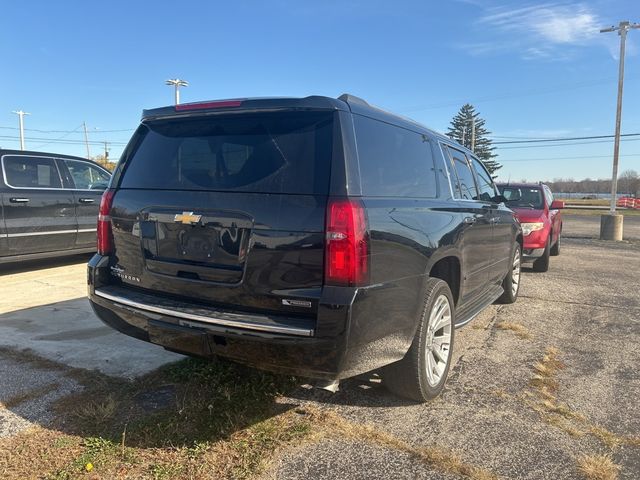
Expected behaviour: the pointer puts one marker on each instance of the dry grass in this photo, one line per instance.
(501, 393)
(96, 411)
(214, 426)
(518, 329)
(545, 383)
(29, 395)
(440, 459)
(627, 212)
(598, 467)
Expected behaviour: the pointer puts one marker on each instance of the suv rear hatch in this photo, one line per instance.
(225, 209)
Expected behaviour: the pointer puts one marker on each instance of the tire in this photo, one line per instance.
(422, 373)
(542, 263)
(511, 282)
(555, 250)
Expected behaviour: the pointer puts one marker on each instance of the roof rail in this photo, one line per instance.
(348, 98)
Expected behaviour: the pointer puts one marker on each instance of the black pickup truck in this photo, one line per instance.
(313, 236)
(49, 204)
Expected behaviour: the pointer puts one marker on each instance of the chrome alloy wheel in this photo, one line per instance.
(515, 273)
(438, 340)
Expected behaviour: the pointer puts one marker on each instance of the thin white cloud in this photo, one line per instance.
(553, 23)
(551, 31)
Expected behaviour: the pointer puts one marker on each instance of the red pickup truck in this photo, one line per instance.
(541, 220)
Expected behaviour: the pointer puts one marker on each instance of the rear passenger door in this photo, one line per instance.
(88, 182)
(501, 219)
(477, 235)
(39, 214)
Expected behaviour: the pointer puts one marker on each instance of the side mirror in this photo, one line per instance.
(500, 199)
(556, 205)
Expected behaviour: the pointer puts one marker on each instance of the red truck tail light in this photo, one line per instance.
(105, 235)
(347, 244)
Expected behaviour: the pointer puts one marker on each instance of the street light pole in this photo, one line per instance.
(21, 115)
(611, 228)
(177, 83)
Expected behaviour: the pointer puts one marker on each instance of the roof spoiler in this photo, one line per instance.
(351, 99)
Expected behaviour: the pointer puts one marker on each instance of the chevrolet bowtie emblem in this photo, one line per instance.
(187, 218)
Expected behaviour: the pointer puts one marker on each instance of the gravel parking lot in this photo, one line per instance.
(539, 389)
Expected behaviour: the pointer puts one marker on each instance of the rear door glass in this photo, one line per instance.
(23, 171)
(465, 187)
(485, 184)
(86, 176)
(265, 153)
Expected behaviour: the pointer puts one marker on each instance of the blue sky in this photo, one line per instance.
(532, 69)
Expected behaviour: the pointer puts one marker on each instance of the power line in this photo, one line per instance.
(68, 131)
(56, 139)
(61, 140)
(567, 158)
(540, 140)
(567, 144)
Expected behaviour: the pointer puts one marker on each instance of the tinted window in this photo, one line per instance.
(485, 184)
(522, 197)
(31, 172)
(394, 161)
(268, 153)
(86, 176)
(465, 187)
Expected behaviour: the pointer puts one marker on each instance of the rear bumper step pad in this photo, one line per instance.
(208, 315)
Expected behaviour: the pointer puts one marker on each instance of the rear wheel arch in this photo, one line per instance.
(448, 269)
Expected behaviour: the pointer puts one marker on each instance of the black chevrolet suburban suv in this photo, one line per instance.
(49, 204)
(312, 236)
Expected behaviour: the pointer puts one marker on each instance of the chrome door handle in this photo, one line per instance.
(469, 220)
(19, 200)
(86, 200)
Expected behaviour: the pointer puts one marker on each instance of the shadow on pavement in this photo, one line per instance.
(34, 265)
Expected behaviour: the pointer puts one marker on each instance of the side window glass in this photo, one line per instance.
(394, 161)
(549, 195)
(485, 184)
(466, 184)
(31, 172)
(86, 176)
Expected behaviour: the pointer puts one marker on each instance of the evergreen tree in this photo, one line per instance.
(461, 131)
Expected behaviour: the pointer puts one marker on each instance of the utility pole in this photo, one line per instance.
(177, 83)
(106, 151)
(21, 115)
(86, 139)
(611, 225)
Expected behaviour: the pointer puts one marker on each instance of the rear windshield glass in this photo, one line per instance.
(522, 197)
(267, 153)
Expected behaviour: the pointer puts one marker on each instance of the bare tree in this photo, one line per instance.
(629, 182)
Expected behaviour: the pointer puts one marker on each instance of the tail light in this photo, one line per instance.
(206, 105)
(347, 244)
(105, 235)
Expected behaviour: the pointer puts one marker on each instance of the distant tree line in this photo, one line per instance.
(628, 184)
